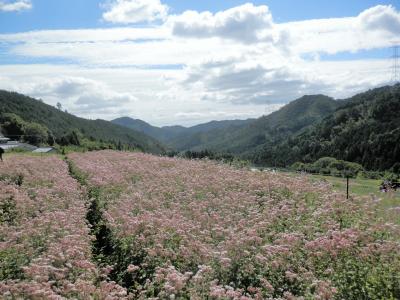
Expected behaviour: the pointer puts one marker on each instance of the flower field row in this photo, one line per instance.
(45, 246)
(174, 228)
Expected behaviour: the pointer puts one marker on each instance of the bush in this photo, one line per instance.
(298, 166)
(324, 162)
(330, 166)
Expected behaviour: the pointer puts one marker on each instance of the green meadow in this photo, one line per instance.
(368, 188)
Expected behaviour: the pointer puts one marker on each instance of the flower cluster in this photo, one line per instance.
(45, 245)
(197, 229)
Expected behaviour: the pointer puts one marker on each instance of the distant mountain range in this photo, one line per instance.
(176, 136)
(240, 136)
(364, 129)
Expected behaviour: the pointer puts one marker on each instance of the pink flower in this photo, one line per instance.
(132, 268)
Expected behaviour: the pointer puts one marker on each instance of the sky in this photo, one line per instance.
(171, 62)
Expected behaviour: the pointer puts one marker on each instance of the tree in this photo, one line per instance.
(35, 134)
(120, 147)
(51, 140)
(59, 106)
(13, 126)
(71, 138)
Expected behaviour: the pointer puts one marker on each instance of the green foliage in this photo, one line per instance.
(242, 138)
(226, 157)
(8, 211)
(71, 138)
(17, 110)
(330, 166)
(17, 128)
(12, 179)
(12, 124)
(365, 129)
(76, 173)
(11, 262)
(36, 134)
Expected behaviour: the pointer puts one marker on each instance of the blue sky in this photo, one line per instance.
(187, 62)
(72, 14)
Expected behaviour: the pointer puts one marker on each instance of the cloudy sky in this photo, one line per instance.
(186, 61)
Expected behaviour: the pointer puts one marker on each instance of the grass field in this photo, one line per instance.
(367, 187)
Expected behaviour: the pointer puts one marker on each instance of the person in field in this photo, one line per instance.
(1, 153)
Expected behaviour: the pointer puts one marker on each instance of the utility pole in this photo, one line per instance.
(395, 64)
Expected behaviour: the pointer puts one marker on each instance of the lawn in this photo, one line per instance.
(367, 187)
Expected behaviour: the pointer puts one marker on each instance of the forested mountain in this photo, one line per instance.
(366, 130)
(60, 124)
(244, 138)
(160, 133)
(240, 136)
(175, 135)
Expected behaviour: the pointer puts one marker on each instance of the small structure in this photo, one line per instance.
(17, 145)
(7, 144)
(3, 140)
(45, 150)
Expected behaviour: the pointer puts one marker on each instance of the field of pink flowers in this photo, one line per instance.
(45, 246)
(169, 228)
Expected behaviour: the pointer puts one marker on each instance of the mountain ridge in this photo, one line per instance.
(365, 129)
(239, 139)
(166, 133)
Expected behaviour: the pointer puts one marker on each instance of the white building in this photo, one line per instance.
(45, 150)
(3, 140)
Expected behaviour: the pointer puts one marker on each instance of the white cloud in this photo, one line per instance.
(86, 35)
(15, 6)
(160, 101)
(128, 53)
(381, 17)
(135, 11)
(158, 45)
(374, 28)
(236, 62)
(245, 23)
(252, 79)
(80, 94)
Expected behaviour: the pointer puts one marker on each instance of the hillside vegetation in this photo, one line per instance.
(240, 136)
(365, 130)
(61, 124)
(289, 120)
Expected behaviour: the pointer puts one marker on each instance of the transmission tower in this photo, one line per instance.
(395, 64)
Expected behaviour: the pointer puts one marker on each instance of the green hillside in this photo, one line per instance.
(242, 139)
(162, 134)
(366, 130)
(60, 123)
